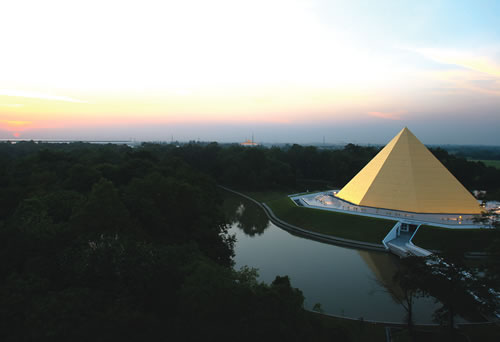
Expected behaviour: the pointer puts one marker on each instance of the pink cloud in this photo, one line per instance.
(389, 115)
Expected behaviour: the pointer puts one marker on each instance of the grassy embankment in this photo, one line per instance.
(473, 240)
(369, 229)
(345, 226)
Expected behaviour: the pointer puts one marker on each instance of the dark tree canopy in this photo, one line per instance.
(107, 242)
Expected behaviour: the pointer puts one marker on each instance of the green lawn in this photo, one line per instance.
(476, 240)
(346, 226)
(369, 229)
(494, 163)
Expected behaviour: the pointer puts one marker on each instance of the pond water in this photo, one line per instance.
(346, 282)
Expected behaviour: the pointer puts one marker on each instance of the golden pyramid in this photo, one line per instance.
(406, 176)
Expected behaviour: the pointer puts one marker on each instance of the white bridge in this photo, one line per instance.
(398, 240)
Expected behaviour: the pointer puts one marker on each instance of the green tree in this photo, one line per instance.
(103, 212)
(459, 290)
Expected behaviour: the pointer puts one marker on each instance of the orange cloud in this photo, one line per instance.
(388, 115)
(15, 125)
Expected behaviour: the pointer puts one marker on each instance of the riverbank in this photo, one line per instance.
(317, 216)
(352, 227)
(361, 330)
(337, 228)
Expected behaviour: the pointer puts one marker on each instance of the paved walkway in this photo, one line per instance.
(327, 201)
(402, 239)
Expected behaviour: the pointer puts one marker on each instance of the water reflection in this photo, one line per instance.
(347, 282)
(384, 266)
(391, 276)
(246, 215)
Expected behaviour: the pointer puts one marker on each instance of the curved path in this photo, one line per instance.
(310, 234)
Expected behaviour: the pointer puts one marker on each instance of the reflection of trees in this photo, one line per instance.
(230, 207)
(248, 216)
(404, 288)
(252, 220)
(384, 266)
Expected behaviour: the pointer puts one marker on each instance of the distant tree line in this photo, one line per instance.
(474, 175)
(475, 152)
(261, 168)
(296, 166)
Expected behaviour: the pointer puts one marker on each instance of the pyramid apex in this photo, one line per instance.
(405, 131)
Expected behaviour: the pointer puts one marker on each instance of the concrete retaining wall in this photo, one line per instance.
(307, 233)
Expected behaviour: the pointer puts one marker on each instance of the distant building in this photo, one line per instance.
(249, 142)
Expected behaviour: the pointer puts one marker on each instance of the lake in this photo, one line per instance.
(346, 282)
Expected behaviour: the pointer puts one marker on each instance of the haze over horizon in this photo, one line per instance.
(287, 71)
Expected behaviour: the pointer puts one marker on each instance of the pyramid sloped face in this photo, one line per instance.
(406, 176)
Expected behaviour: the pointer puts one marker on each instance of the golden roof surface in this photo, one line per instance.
(406, 176)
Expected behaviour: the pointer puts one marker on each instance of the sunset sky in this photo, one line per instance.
(285, 70)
